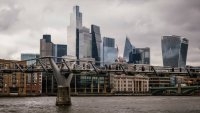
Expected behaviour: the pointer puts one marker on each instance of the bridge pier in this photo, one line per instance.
(179, 89)
(63, 96)
(63, 81)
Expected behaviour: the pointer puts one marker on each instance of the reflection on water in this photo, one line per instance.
(127, 104)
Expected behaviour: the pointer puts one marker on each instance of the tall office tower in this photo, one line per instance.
(60, 50)
(174, 51)
(75, 25)
(46, 46)
(140, 56)
(109, 53)
(47, 49)
(96, 42)
(27, 56)
(83, 43)
(127, 49)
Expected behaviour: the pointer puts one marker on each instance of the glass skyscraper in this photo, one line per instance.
(174, 51)
(60, 50)
(96, 42)
(127, 49)
(75, 25)
(79, 37)
(84, 43)
(109, 53)
(140, 56)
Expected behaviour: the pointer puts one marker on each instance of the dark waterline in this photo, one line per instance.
(126, 104)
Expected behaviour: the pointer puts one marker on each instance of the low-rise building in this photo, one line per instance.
(34, 84)
(129, 84)
(17, 83)
(157, 81)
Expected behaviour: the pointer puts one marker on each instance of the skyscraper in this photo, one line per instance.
(83, 43)
(46, 46)
(47, 49)
(79, 37)
(127, 49)
(109, 53)
(96, 42)
(140, 56)
(60, 50)
(174, 51)
(75, 25)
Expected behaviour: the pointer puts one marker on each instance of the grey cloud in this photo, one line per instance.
(9, 15)
(134, 1)
(144, 21)
(184, 13)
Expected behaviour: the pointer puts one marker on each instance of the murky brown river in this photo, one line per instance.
(120, 104)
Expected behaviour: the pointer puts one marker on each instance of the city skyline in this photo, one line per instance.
(20, 24)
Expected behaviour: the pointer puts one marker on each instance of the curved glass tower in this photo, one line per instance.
(174, 51)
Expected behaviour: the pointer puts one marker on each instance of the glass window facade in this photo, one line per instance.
(84, 43)
(174, 51)
(96, 42)
(127, 49)
(109, 53)
(60, 50)
(140, 56)
(27, 56)
(90, 84)
(75, 25)
(108, 42)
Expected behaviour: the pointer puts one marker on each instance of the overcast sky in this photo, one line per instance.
(23, 22)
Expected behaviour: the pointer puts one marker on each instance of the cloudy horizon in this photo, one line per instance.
(23, 22)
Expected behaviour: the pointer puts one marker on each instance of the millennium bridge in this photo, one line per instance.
(64, 71)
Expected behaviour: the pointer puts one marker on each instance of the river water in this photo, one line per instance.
(117, 104)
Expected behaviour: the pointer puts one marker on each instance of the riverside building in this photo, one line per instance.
(19, 84)
(129, 84)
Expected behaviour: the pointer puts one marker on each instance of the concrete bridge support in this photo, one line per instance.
(63, 96)
(179, 89)
(63, 93)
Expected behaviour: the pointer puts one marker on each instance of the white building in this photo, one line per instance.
(129, 84)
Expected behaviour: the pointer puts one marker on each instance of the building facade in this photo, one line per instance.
(129, 84)
(75, 25)
(128, 48)
(17, 83)
(174, 51)
(159, 81)
(140, 56)
(33, 80)
(60, 50)
(46, 46)
(84, 43)
(109, 52)
(90, 84)
(34, 84)
(48, 80)
(96, 43)
(27, 56)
